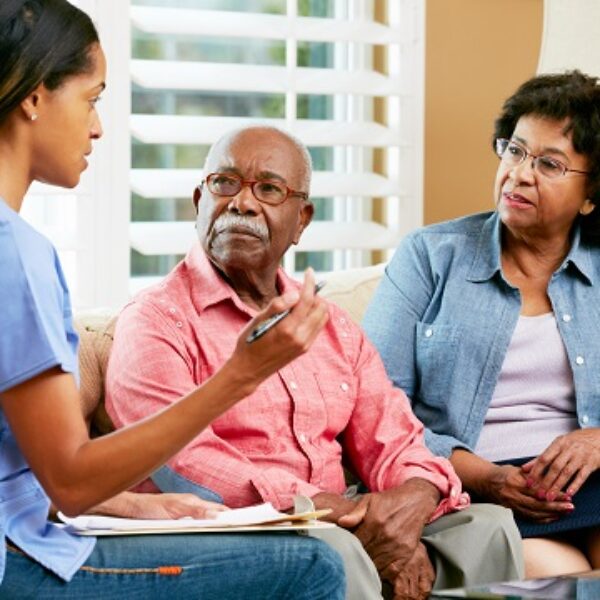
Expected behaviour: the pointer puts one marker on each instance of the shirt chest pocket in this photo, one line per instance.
(437, 349)
(337, 399)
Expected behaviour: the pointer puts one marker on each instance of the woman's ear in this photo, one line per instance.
(30, 104)
(587, 207)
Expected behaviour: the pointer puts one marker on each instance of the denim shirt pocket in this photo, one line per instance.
(436, 357)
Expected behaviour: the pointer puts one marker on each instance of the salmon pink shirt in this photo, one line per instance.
(289, 436)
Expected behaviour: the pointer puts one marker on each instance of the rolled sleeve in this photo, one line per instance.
(386, 441)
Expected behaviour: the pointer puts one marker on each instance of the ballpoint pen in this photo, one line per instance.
(265, 326)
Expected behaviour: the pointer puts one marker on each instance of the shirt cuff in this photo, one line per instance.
(449, 486)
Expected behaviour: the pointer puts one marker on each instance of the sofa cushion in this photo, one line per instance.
(351, 289)
(96, 332)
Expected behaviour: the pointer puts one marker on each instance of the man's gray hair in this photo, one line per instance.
(300, 146)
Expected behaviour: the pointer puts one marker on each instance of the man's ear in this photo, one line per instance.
(196, 196)
(306, 214)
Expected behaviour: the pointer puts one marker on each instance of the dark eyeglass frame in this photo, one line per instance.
(501, 146)
(252, 183)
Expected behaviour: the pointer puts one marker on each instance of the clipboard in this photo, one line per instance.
(261, 518)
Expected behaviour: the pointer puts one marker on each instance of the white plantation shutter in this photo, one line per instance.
(350, 134)
(183, 72)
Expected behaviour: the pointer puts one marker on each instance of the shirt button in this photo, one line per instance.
(179, 324)
(344, 386)
(566, 318)
(580, 360)
(585, 419)
(172, 311)
(453, 493)
(302, 438)
(428, 332)
(293, 385)
(342, 321)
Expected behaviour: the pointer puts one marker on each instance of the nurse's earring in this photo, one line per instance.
(587, 207)
(33, 117)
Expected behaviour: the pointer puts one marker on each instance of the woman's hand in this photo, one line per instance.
(564, 465)
(158, 506)
(507, 485)
(289, 339)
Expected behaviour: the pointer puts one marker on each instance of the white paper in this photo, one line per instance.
(252, 515)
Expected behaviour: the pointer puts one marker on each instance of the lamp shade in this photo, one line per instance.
(571, 36)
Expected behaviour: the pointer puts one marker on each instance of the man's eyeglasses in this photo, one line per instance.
(512, 154)
(269, 191)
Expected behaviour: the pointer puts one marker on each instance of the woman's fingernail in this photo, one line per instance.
(568, 497)
(550, 496)
(541, 494)
(211, 514)
(529, 482)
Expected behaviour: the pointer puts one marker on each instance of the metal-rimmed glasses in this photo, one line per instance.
(512, 154)
(269, 191)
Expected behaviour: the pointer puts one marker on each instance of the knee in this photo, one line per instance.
(329, 565)
(497, 518)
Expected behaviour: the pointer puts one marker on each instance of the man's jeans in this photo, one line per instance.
(220, 565)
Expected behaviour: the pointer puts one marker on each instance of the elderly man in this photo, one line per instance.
(332, 405)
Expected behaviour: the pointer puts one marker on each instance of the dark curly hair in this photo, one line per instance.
(41, 41)
(574, 96)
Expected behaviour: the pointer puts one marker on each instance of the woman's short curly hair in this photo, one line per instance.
(574, 96)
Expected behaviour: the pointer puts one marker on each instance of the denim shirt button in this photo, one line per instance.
(580, 360)
(566, 318)
(585, 419)
(428, 332)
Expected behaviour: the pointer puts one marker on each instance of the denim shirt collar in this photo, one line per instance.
(486, 262)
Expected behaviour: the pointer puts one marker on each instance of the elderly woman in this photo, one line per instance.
(491, 324)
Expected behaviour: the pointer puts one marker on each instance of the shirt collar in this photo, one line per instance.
(486, 262)
(208, 287)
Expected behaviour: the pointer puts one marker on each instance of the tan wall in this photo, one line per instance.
(477, 53)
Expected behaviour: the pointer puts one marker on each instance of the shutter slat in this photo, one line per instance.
(180, 183)
(151, 238)
(177, 129)
(225, 77)
(178, 21)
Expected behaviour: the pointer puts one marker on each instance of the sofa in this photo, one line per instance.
(351, 289)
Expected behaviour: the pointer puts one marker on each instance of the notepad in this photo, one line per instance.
(254, 518)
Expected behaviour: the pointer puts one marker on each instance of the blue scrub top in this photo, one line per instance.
(36, 334)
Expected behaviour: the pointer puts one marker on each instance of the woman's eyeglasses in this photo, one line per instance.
(512, 154)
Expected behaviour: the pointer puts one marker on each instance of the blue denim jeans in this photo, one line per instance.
(220, 566)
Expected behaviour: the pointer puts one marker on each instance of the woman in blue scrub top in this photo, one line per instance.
(52, 72)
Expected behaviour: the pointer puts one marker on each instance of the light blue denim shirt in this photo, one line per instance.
(36, 334)
(443, 316)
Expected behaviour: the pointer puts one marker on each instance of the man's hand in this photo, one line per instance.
(341, 506)
(158, 506)
(389, 524)
(413, 579)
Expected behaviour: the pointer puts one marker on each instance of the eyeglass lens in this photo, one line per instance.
(514, 154)
(266, 190)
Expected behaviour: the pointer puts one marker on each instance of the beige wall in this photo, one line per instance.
(477, 53)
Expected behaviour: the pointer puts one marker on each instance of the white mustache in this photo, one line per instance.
(229, 220)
